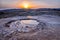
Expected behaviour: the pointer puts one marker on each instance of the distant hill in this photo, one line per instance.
(29, 12)
(40, 9)
(49, 9)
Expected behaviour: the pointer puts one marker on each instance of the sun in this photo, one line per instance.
(25, 5)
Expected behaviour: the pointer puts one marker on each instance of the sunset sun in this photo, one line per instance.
(25, 5)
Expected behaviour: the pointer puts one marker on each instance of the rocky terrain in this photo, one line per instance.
(37, 27)
(47, 29)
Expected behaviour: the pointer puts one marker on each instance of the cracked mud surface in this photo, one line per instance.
(47, 29)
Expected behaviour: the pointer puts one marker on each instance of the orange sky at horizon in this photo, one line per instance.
(31, 5)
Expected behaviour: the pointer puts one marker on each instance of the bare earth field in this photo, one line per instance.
(47, 29)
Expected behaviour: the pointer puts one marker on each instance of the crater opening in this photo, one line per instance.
(29, 22)
(24, 25)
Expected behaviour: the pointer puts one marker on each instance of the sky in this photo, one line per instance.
(34, 3)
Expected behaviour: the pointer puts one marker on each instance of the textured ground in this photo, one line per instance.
(49, 29)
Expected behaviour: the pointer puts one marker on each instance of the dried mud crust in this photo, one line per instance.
(47, 31)
(16, 35)
(16, 25)
(38, 35)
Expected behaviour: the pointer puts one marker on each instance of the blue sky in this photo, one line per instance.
(37, 3)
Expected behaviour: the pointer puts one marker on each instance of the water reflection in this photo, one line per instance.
(34, 22)
(29, 17)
